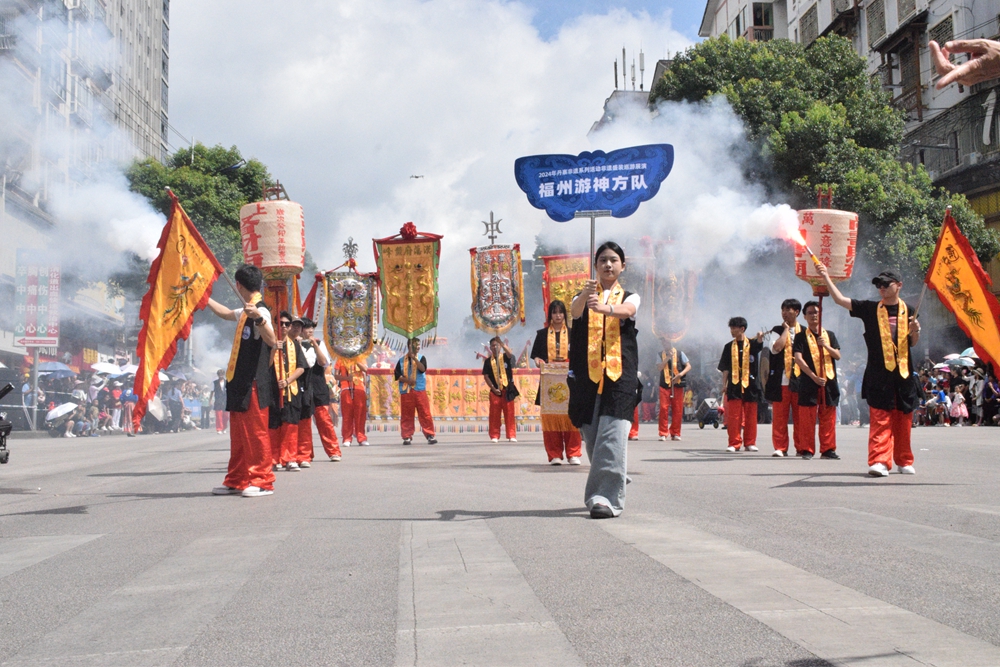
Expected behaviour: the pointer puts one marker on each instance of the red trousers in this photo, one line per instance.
(353, 413)
(221, 420)
(557, 441)
(327, 433)
(284, 444)
(634, 431)
(673, 399)
(779, 423)
(827, 428)
(741, 420)
(305, 450)
(249, 448)
(889, 438)
(499, 405)
(409, 402)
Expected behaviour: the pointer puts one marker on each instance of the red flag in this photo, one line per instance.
(180, 281)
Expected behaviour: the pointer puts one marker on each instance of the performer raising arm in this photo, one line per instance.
(889, 385)
(604, 380)
(248, 389)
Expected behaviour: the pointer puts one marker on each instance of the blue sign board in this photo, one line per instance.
(617, 181)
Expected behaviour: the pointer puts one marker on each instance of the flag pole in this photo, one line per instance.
(923, 292)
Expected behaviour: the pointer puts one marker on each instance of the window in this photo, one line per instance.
(763, 14)
(904, 8)
(876, 21)
(809, 25)
(943, 32)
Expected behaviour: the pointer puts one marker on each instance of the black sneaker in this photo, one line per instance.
(431, 440)
(806, 456)
(407, 441)
(599, 511)
(832, 454)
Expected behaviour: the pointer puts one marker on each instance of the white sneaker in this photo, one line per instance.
(256, 492)
(511, 439)
(730, 449)
(277, 468)
(494, 439)
(224, 491)
(555, 462)
(347, 443)
(778, 453)
(751, 448)
(292, 466)
(574, 460)
(68, 435)
(305, 464)
(907, 470)
(334, 458)
(663, 438)
(878, 470)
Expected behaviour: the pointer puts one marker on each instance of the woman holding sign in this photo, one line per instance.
(603, 378)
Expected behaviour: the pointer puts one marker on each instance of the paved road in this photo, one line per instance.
(112, 552)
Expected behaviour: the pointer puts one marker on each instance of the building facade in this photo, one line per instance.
(83, 85)
(952, 132)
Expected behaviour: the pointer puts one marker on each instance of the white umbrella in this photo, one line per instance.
(105, 367)
(949, 357)
(164, 377)
(962, 361)
(129, 369)
(970, 353)
(155, 408)
(941, 366)
(57, 412)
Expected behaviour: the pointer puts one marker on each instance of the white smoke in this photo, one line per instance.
(210, 349)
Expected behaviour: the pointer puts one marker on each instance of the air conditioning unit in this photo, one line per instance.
(933, 174)
(970, 159)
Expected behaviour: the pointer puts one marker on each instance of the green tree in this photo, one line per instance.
(818, 119)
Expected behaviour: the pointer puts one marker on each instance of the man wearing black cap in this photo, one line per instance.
(889, 385)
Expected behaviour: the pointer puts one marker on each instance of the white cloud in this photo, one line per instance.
(344, 101)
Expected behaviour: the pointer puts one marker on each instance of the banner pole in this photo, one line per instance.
(593, 249)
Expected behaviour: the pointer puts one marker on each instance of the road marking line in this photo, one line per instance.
(981, 509)
(150, 620)
(831, 621)
(17, 553)
(463, 601)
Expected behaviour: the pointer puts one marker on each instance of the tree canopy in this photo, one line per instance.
(818, 119)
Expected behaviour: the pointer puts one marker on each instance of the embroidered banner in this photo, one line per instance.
(497, 288)
(563, 278)
(554, 394)
(454, 394)
(673, 291)
(408, 276)
(349, 322)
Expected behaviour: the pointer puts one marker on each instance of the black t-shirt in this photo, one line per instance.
(540, 348)
(884, 390)
(809, 390)
(508, 370)
(681, 363)
(776, 367)
(736, 391)
(290, 411)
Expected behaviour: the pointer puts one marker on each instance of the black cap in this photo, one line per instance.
(886, 276)
(307, 323)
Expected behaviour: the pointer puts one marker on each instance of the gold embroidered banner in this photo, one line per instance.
(555, 397)
(453, 394)
(564, 278)
(408, 275)
(964, 288)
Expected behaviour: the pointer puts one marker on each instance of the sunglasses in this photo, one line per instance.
(882, 284)
(285, 323)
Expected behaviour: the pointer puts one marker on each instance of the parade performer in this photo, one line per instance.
(604, 383)
(305, 452)
(353, 400)
(889, 385)
(739, 365)
(809, 347)
(551, 347)
(411, 372)
(288, 362)
(319, 360)
(782, 383)
(498, 370)
(219, 403)
(673, 366)
(249, 389)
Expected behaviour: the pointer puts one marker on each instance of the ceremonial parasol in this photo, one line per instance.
(59, 411)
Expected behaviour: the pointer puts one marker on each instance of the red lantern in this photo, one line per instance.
(833, 236)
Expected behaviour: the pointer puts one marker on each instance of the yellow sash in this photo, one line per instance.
(667, 368)
(893, 353)
(499, 372)
(255, 298)
(814, 353)
(351, 369)
(558, 350)
(789, 366)
(410, 371)
(604, 342)
(281, 371)
(740, 374)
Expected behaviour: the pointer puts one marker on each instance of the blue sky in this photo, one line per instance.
(551, 14)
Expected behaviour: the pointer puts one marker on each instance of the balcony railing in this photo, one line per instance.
(759, 33)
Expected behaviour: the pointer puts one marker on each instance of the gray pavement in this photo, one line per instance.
(113, 552)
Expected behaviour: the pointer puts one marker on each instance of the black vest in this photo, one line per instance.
(620, 397)
(252, 365)
(776, 369)
(318, 388)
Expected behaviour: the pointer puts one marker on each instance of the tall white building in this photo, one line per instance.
(953, 132)
(82, 83)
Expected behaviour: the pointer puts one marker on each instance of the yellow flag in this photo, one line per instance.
(180, 279)
(960, 282)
